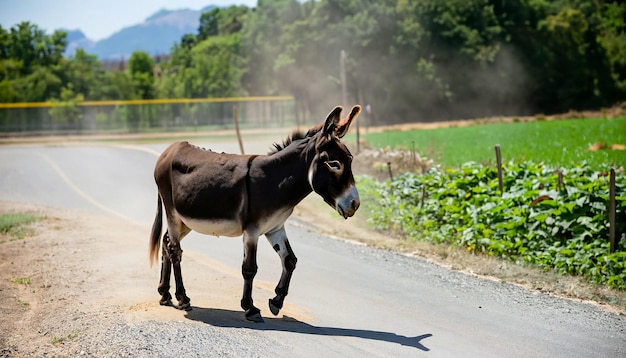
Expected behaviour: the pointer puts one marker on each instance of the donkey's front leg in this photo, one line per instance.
(280, 243)
(248, 270)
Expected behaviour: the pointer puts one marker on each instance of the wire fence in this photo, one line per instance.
(140, 116)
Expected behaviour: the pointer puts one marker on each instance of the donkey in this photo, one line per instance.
(230, 195)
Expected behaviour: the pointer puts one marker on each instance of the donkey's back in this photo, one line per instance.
(203, 189)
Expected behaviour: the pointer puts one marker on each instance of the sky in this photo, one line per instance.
(97, 19)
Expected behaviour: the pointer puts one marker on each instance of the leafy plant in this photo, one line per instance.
(538, 219)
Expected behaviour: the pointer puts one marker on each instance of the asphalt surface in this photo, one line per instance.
(361, 301)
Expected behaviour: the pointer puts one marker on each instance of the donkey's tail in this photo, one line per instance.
(156, 232)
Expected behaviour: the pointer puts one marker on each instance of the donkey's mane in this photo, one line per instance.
(296, 135)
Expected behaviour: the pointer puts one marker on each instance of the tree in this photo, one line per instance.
(65, 110)
(115, 85)
(612, 37)
(414, 60)
(141, 68)
(212, 63)
(39, 86)
(188, 41)
(30, 63)
(222, 21)
(30, 45)
(85, 73)
(213, 68)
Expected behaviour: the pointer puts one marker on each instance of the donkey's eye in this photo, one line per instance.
(333, 165)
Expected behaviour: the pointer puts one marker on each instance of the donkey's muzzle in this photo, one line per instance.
(348, 203)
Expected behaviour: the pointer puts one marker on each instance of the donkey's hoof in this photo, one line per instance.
(274, 308)
(254, 315)
(183, 307)
(167, 302)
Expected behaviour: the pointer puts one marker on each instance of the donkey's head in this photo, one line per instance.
(330, 172)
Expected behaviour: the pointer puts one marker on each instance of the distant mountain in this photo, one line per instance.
(77, 39)
(156, 35)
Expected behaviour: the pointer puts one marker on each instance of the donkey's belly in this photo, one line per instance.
(215, 227)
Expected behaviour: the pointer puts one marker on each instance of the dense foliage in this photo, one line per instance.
(411, 60)
(32, 69)
(537, 220)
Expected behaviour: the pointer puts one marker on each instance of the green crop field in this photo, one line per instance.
(535, 220)
(556, 143)
(559, 225)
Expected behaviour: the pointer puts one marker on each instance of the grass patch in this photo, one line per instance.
(23, 303)
(59, 340)
(559, 143)
(21, 280)
(14, 225)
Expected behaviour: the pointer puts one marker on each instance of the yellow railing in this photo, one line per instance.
(169, 114)
(151, 101)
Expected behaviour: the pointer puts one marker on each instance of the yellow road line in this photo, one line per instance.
(81, 193)
(136, 147)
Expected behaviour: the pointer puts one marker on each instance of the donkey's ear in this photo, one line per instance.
(332, 120)
(342, 127)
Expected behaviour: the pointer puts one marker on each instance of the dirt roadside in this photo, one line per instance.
(92, 291)
(75, 265)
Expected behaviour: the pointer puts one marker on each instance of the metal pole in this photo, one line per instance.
(342, 75)
(344, 92)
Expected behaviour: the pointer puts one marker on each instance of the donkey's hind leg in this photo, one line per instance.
(280, 243)
(166, 270)
(175, 255)
(248, 270)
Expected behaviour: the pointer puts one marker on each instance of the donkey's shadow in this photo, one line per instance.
(234, 319)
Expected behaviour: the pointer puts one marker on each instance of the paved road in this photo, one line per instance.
(362, 301)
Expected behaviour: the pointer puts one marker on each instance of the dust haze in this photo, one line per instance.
(423, 88)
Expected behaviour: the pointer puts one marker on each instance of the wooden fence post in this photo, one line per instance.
(237, 129)
(390, 178)
(559, 183)
(499, 163)
(612, 241)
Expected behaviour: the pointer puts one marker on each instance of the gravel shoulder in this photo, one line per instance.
(78, 269)
(92, 293)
